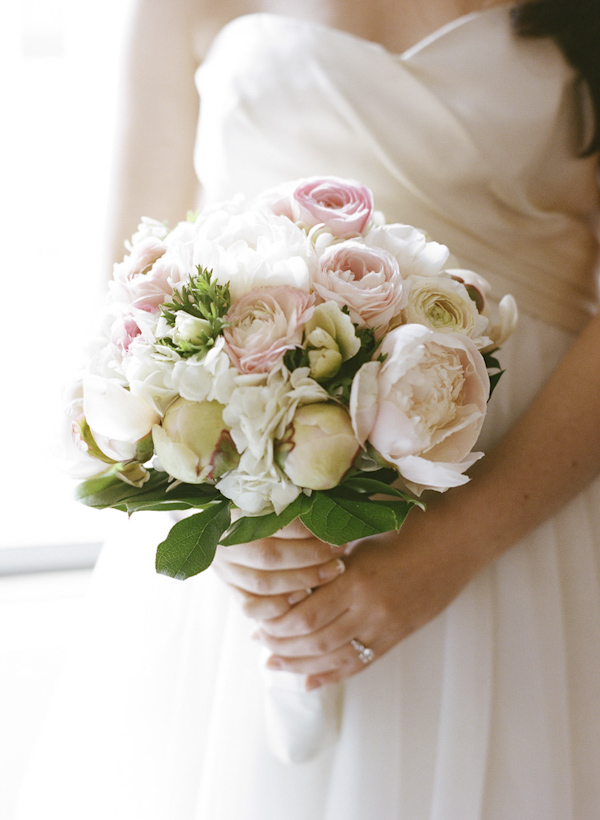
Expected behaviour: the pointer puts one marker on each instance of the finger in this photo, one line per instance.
(323, 608)
(280, 553)
(266, 607)
(285, 581)
(335, 634)
(343, 660)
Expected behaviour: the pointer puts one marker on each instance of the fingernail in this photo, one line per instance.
(274, 663)
(299, 595)
(314, 683)
(331, 570)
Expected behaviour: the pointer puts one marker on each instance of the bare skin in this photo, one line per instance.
(388, 586)
(395, 583)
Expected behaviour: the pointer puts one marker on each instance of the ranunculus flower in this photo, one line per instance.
(319, 447)
(343, 206)
(442, 303)
(330, 339)
(422, 407)
(193, 442)
(136, 323)
(264, 324)
(140, 280)
(366, 280)
(124, 331)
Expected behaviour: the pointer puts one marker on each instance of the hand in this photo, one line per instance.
(271, 575)
(393, 584)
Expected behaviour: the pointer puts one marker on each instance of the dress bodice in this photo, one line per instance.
(473, 135)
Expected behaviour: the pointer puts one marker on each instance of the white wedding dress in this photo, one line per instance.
(490, 712)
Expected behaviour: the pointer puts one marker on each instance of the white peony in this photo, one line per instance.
(254, 249)
(422, 407)
(415, 254)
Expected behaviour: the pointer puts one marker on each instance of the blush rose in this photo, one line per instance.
(342, 206)
(365, 280)
(264, 324)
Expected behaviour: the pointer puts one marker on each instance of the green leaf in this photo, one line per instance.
(371, 486)
(190, 546)
(168, 503)
(111, 491)
(338, 519)
(494, 369)
(250, 528)
(203, 298)
(159, 492)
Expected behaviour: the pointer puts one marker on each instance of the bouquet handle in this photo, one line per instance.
(299, 724)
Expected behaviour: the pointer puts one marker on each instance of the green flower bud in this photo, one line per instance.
(319, 447)
(193, 443)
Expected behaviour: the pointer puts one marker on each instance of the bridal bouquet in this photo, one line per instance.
(293, 356)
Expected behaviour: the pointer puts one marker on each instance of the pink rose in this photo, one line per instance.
(264, 324)
(343, 206)
(422, 407)
(366, 280)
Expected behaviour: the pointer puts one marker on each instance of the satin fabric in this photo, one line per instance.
(491, 711)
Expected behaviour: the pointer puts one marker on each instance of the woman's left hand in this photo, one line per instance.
(394, 583)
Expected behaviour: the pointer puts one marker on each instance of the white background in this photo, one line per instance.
(59, 68)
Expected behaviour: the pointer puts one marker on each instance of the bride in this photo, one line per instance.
(461, 654)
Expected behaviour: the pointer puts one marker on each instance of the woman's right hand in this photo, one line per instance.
(271, 575)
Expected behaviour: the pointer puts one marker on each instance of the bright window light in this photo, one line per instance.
(59, 63)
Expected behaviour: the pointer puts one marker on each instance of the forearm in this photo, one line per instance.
(157, 117)
(550, 454)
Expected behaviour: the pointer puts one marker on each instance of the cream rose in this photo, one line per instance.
(444, 304)
(422, 407)
(264, 324)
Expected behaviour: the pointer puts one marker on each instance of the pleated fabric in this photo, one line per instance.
(492, 710)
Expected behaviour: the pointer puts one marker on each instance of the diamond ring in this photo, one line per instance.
(364, 653)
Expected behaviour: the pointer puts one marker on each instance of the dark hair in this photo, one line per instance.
(575, 25)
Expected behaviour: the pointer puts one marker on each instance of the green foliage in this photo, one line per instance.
(158, 493)
(191, 544)
(338, 516)
(250, 528)
(339, 387)
(494, 369)
(204, 299)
